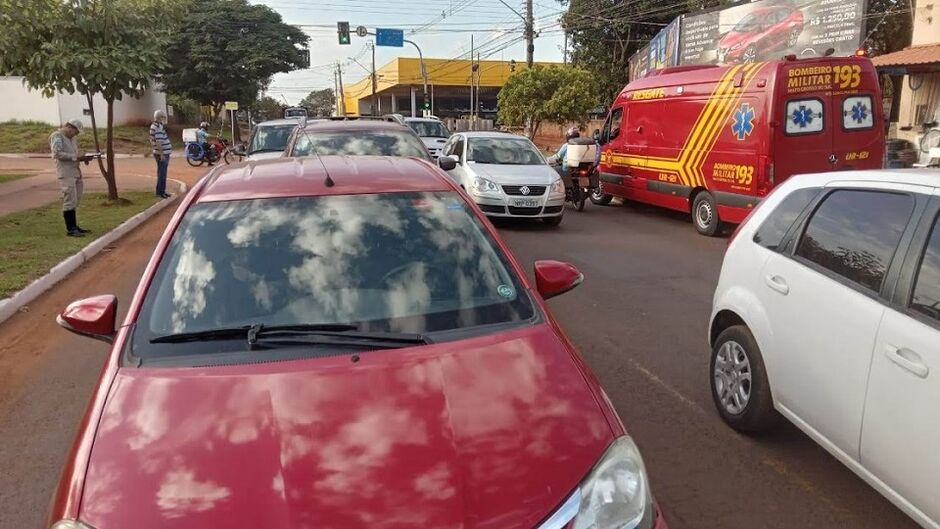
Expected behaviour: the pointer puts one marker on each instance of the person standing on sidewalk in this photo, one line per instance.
(161, 146)
(64, 149)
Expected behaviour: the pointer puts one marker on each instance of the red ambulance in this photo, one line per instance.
(713, 140)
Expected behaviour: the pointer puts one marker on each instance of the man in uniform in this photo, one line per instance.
(67, 158)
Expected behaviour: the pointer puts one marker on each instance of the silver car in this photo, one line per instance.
(506, 176)
(431, 131)
(269, 138)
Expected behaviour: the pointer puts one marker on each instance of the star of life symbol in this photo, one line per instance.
(802, 116)
(859, 112)
(743, 124)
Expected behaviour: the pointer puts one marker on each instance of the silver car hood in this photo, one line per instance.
(514, 174)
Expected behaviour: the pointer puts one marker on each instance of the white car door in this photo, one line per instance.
(822, 297)
(455, 147)
(901, 430)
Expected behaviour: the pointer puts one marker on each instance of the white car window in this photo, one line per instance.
(926, 297)
(804, 116)
(857, 113)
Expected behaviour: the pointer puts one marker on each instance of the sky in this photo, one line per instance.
(442, 28)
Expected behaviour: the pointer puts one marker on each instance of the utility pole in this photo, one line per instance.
(335, 92)
(529, 33)
(375, 107)
(342, 96)
(566, 49)
(471, 77)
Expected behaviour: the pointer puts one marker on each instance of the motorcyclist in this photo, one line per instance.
(559, 157)
(202, 137)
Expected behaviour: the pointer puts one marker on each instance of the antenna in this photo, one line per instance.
(328, 182)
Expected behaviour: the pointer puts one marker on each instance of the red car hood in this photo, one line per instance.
(491, 432)
(735, 37)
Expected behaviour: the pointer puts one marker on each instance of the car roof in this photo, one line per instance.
(276, 122)
(919, 177)
(431, 120)
(306, 176)
(355, 124)
(491, 134)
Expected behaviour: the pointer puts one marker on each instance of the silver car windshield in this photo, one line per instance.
(507, 151)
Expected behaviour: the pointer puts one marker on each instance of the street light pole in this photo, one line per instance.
(424, 72)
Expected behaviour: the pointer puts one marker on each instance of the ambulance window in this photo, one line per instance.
(613, 126)
(804, 116)
(772, 231)
(857, 113)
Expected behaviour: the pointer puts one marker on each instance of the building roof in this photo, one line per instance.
(924, 55)
(306, 176)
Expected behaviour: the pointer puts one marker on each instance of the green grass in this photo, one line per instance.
(33, 137)
(34, 240)
(9, 177)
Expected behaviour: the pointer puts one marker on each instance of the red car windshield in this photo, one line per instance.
(398, 262)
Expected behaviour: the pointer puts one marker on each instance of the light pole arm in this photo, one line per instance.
(424, 71)
(520, 15)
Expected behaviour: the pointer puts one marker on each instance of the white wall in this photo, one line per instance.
(19, 103)
(127, 110)
(22, 104)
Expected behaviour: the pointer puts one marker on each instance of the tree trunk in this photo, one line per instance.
(94, 129)
(109, 174)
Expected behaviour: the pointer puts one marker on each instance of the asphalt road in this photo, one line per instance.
(639, 318)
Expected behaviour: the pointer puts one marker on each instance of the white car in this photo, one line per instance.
(506, 176)
(269, 138)
(827, 312)
(432, 132)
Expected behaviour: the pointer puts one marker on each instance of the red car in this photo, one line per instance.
(763, 30)
(343, 342)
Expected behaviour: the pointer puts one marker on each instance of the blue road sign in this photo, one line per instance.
(389, 37)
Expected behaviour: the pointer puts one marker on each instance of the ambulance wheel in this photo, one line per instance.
(599, 198)
(705, 214)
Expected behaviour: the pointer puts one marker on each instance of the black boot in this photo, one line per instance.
(72, 229)
(77, 227)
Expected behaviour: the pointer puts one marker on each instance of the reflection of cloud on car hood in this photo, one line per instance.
(515, 174)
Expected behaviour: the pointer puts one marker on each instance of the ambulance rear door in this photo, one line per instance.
(805, 120)
(858, 131)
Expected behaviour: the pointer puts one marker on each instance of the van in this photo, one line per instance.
(713, 140)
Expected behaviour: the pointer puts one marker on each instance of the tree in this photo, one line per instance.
(228, 50)
(538, 94)
(604, 34)
(320, 102)
(110, 48)
(267, 108)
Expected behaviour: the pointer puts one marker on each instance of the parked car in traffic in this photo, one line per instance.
(827, 312)
(432, 132)
(506, 176)
(343, 341)
(353, 137)
(761, 32)
(268, 139)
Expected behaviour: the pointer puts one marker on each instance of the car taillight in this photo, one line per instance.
(770, 174)
(583, 172)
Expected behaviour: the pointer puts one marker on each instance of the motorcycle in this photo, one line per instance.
(578, 171)
(197, 154)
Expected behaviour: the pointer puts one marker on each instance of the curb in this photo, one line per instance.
(12, 304)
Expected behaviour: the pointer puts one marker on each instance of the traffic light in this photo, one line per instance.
(343, 29)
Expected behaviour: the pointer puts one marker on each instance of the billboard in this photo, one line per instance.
(662, 51)
(770, 29)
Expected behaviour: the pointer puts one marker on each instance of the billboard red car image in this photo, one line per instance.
(763, 30)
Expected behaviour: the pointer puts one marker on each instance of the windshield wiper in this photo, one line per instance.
(265, 150)
(339, 332)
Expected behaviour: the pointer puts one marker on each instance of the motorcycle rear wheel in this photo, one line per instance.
(227, 157)
(194, 163)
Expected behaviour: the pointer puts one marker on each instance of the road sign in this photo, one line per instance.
(231, 105)
(361, 31)
(389, 37)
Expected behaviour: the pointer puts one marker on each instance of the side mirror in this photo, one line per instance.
(596, 135)
(614, 133)
(446, 163)
(240, 149)
(555, 277)
(92, 317)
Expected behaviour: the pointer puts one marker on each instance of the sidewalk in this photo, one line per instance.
(133, 174)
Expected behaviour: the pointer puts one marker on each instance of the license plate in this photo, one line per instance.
(526, 203)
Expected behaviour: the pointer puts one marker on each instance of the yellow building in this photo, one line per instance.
(399, 87)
